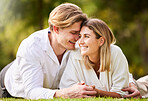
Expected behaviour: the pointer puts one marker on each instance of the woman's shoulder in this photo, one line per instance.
(115, 50)
(117, 54)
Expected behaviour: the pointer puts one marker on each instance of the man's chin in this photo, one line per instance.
(72, 48)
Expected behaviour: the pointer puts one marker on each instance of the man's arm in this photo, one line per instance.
(76, 91)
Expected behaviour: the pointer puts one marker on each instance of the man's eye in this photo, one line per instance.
(73, 33)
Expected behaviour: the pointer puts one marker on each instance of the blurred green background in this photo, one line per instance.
(128, 20)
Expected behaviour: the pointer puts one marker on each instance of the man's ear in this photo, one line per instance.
(101, 41)
(56, 29)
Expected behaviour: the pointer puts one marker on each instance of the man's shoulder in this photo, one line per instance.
(33, 43)
(42, 31)
(35, 37)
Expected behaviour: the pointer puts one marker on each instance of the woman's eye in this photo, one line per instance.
(86, 36)
(79, 36)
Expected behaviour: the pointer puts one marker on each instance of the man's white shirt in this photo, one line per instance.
(36, 72)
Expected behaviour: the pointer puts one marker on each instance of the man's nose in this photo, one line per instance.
(76, 37)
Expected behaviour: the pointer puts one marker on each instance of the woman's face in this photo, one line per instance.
(88, 43)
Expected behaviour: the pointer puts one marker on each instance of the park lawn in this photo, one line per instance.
(75, 99)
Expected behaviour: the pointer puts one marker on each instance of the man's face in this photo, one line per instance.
(67, 37)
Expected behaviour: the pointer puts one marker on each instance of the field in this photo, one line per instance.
(85, 99)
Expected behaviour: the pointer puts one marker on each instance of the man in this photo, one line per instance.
(41, 59)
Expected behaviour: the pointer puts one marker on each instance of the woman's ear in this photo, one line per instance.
(101, 41)
(55, 29)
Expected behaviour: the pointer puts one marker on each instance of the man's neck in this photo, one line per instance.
(60, 57)
(59, 51)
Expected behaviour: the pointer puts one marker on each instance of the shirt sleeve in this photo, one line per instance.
(131, 78)
(31, 72)
(120, 76)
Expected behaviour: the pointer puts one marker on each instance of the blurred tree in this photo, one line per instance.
(127, 19)
(18, 19)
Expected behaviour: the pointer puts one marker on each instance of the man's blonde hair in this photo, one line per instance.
(101, 29)
(65, 15)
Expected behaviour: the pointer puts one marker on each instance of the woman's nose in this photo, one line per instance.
(81, 41)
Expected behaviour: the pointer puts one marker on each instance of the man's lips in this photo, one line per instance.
(72, 42)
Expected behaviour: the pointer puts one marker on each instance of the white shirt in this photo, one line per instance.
(36, 72)
(117, 78)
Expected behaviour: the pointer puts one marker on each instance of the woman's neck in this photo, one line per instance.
(94, 58)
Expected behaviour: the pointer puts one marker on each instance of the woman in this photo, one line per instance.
(98, 62)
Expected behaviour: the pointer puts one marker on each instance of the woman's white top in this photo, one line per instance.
(114, 81)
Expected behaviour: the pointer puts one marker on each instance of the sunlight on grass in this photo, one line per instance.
(76, 99)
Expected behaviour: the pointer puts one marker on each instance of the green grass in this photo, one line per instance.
(75, 99)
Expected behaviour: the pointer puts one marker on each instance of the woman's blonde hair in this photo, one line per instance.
(101, 29)
(65, 15)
